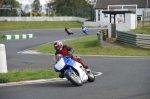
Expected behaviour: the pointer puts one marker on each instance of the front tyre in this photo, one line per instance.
(74, 78)
(91, 77)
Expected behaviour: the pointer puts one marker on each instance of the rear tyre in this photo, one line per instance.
(74, 78)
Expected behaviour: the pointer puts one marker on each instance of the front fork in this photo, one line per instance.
(68, 70)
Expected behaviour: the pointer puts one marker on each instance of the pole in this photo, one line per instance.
(3, 64)
(147, 3)
(114, 18)
(143, 19)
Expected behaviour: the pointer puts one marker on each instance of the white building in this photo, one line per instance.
(101, 19)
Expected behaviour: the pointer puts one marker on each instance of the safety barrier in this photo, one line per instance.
(139, 40)
(19, 36)
(3, 61)
(101, 36)
(104, 33)
(65, 18)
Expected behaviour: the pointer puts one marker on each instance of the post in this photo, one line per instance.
(143, 19)
(111, 30)
(114, 18)
(99, 38)
(3, 63)
(110, 18)
(147, 4)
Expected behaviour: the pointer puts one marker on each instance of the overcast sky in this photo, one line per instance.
(24, 2)
(27, 1)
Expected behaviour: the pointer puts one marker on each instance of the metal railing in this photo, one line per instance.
(139, 40)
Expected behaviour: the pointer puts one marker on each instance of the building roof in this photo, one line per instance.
(116, 12)
(104, 3)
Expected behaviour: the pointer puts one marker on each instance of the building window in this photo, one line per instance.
(98, 15)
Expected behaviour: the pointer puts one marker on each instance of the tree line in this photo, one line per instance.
(11, 6)
(80, 8)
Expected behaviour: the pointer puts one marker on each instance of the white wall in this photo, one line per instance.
(101, 20)
(95, 24)
(104, 19)
(129, 23)
(140, 11)
(42, 19)
(132, 21)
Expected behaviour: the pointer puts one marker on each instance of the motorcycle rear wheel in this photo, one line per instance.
(72, 77)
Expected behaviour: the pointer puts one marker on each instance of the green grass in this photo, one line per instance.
(1, 37)
(4, 25)
(141, 30)
(21, 75)
(88, 45)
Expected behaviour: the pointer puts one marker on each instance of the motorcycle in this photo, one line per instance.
(85, 30)
(72, 70)
(68, 31)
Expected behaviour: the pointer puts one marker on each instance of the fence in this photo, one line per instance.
(134, 39)
(42, 19)
(146, 18)
(84, 12)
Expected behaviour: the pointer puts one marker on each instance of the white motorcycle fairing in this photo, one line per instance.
(81, 71)
(60, 64)
(63, 62)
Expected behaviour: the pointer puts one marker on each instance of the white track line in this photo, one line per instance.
(39, 81)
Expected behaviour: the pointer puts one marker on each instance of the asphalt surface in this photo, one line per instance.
(123, 77)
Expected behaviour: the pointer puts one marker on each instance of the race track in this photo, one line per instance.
(123, 77)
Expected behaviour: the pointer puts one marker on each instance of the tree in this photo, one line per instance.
(70, 7)
(9, 4)
(92, 2)
(36, 6)
(16, 4)
(25, 10)
(50, 8)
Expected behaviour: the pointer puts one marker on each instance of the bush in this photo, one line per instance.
(4, 80)
(58, 14)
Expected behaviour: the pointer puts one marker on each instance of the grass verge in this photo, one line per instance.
(21, 75)
(88, 46)
(141, 30)
(1, 37)
(19, 25)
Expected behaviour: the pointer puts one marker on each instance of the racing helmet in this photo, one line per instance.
(58, 45)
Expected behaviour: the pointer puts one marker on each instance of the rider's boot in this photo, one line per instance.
(60, 75)
(78, 59)
(83, 64)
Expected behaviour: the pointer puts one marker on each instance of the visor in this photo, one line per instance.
(57, 47)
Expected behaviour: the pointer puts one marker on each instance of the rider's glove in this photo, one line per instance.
(69, 54)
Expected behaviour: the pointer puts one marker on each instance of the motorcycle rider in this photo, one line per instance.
(83, 26)
(84, 29)
(67, 51)
(69, 32)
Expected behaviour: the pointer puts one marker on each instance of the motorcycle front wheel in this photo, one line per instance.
(74, 78)
(91, 77)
